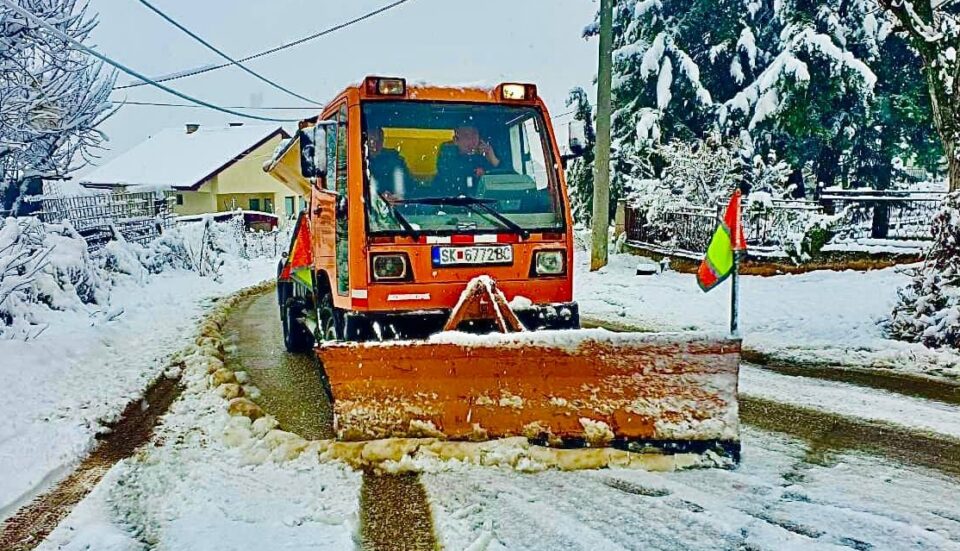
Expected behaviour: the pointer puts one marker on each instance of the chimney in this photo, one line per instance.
(235, 124)
(192, 127)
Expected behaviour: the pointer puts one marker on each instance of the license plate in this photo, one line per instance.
(472, 256)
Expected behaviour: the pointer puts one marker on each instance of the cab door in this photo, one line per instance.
(323, 204)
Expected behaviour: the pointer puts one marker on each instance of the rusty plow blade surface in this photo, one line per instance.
(670, 392)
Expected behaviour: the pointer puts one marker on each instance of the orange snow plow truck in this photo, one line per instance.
(432, 272)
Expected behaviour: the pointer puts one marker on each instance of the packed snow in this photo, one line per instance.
(778, 498)
(852, 401)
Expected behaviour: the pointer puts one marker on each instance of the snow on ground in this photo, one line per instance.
(821, 316)
(776, 499)
(852, 401)
(189, 491)
(62, 387)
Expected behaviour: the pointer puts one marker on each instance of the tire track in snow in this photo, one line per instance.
(394, 511)
(34, 522)
(830, 433)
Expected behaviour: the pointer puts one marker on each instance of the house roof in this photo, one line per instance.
(173, 158)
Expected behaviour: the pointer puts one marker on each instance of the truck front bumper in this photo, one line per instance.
(420, 324)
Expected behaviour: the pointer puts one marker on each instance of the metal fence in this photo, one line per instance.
(137, 216)
(687, 231)
(892, 215)
(773, 228)
(269, 244)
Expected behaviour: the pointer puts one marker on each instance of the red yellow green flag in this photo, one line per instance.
(718, 263)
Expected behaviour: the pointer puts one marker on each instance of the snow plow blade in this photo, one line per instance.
(635, 391)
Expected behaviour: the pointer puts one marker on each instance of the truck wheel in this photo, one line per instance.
(296, 336)
(327, 320)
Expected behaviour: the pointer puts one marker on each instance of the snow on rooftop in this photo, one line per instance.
(174, 158)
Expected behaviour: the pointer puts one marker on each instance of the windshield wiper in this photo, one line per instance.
(400, 217)
(480, 206)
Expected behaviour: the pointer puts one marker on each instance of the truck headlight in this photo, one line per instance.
(390, 267)
(549, 262)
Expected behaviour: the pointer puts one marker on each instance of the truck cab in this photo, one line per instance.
(415, 190)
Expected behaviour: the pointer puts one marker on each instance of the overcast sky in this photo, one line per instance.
(441, 41)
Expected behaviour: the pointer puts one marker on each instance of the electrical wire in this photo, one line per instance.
(201, 70)
(190, 105)
(268, 108)
(232, 61)
(63, 36)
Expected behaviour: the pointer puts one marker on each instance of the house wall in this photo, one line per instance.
(234, 187)
(194, 202)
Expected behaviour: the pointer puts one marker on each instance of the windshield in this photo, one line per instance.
(452, 167)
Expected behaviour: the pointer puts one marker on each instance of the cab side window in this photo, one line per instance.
(330, 180)
(342, 150)
(340, 178)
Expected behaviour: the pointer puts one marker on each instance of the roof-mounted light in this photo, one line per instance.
(518, 92)
(382, 86)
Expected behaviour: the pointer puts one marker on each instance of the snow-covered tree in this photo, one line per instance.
(933, 29)
(929, 307)
(795, 77)
(52, 96)
(580, 170)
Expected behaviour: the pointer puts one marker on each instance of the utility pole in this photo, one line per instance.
(601, 165)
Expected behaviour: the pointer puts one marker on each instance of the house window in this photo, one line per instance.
(268, 204)
(289, 205)
(255, 204)
(179, 198)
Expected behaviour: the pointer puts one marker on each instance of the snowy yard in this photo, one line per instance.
(63, 386)
(820, 316)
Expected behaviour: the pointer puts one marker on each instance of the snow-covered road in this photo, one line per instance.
(789, 492)
(191, 491)
(779, 498)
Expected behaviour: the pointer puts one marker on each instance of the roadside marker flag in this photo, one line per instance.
(723, 253)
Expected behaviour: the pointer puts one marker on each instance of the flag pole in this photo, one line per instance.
(735, 296)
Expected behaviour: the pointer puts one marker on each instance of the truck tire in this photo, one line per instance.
(296, 337)
(328, 325)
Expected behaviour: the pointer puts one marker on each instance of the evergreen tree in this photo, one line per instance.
(580, 170)
(794, 77)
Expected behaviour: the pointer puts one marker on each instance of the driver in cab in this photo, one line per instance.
(462, 162)
(388, 172)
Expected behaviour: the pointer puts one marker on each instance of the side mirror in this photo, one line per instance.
(576, 137)
(313, 151)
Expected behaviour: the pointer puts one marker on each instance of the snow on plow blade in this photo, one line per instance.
(675, 392)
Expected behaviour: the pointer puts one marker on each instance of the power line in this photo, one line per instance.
(208, 68)
(63, 36)
(266, 108)
(223, 55)
(192, 106)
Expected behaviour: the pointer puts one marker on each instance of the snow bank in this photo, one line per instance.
(821, 316)
(214, 478)
(88, 336)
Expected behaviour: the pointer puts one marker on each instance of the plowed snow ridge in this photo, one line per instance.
(852, 401)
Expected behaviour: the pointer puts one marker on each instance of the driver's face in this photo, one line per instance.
(467, 139)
